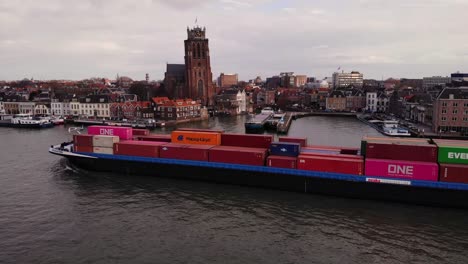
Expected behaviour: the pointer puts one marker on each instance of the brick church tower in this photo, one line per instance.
(198, 76)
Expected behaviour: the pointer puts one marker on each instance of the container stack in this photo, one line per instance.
(410, 159)
(149, 149)
(140, 132)
(284, 155)
(83, 143)
(185, 151)
(196, 137)
(156, 138)
(453, 160)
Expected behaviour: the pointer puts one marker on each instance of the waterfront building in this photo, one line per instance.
(231, 101)
(42, 109)
(131, 110)
(75, 106)
(61, 106)
(97, 106)
(430, 82)
(11, 104)
(344, 79)
(451, 111)
(227, 80)
(194, 78)
(266, 97)
(2, 109)
(377, 102)
(178, 110)
(26, 107)
(300, 80)
(355, 100)
(336, 101)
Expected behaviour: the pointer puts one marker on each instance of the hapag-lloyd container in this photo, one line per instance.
(105, 141)
(395, 150)
(453, 173)
(138, 148)
(409, 170)
(330, 164)
(282, 162)
(102, 150)
(124, 133)
(83, 140)
(285, 149)
(196, 138)
(156, 138)
(246, 140)
(140, 132)
(185, 151)
(238, 155)
(301, 141)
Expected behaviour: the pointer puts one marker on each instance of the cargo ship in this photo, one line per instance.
(410, 170)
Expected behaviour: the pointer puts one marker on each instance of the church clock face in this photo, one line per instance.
(198, 34)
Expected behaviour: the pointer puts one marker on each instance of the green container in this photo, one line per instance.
(453, 154)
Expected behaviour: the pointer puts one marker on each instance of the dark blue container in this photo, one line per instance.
(285, 149)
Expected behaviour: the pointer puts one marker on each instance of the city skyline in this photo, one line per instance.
(75, 40)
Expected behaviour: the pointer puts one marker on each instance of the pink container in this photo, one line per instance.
(409, 170)
(124, 133)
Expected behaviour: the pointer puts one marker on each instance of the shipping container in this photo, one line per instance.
(83, 148)
(401, 151)
(282, 162)
(200, 130)
(140, 132)
(349, 151)
(124, 133)
(330, 164)
(246, 140)
(196, 138)
(157, 138)
(238, 155)
(285, 149)
(452, 153)
(415, 141)
(320, 150)
(324, 147)
(450, 142)
(138, 148)
(302, 141)
(83, 140)
(453, 173)
(409, 170)
(331, 154)
(102, 150)
(105, 141)
(185, 151)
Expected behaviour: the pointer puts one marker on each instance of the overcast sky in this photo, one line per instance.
(77, 39)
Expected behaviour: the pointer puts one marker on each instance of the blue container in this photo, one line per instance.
(285, 149)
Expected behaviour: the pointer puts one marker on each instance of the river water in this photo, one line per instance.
(53, 213)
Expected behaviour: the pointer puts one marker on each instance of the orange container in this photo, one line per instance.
(196, 138)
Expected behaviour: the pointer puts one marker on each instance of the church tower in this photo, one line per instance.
(198, 76)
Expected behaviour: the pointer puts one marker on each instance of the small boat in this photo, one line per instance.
(390, 128)
(25, 121)
(58, 120)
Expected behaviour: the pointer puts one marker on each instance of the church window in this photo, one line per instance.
(198, 50)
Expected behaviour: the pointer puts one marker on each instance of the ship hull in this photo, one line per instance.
(349, 186)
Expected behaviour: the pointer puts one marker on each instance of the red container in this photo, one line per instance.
(83, 140)
(349, 151)
(200, 130)
(140, 132)
(246, 140)
(124, 133)
(324, 147)
(302, 141)
(185, 151)
(83, 148)
(157, 138)
(409, 170)
(238, 155)
(332, 155)
(138, 148)
(401, 151)
(331, 164)
(282, 162)
(453, 173)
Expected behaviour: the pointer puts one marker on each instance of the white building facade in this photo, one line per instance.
(344, 79)
(241, 102)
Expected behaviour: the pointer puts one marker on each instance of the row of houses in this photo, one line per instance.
(101, 107)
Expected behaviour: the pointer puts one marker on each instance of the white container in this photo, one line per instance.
(105, 141)
(102, 150)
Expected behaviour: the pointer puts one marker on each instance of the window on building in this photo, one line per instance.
(465, 119)
(444, 111)
(454, 119)
(455, 104)
(169, 115)
(444, 118)
(466, 105)
(444, 103)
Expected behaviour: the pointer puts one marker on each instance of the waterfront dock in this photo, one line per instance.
(257, 123)
(285, 123)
